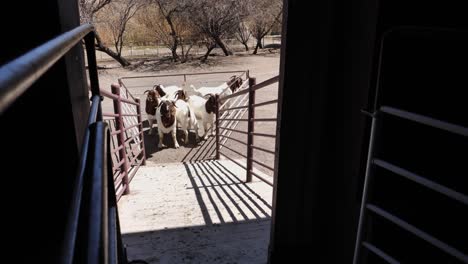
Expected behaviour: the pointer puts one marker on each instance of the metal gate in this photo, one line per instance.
(415, 205)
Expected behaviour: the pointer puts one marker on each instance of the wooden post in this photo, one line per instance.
(140, 130)
(120, 138)
(250, 129)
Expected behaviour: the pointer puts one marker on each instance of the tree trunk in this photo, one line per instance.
(205, 57)
(185, 55)
(259, 45)
(175, 57)
(222, 46)
(246, 46)
(99, 46)
(175, 41)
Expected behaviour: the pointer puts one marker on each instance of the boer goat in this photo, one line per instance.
(186, 118)
(167, 122)
(204, 109)
(222, 90)
(152, 102)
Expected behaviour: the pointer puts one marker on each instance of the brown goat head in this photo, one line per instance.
(234, 83)
(168, 112)
(210, 104)
(182, 95)
(158, 88)
(152, 101)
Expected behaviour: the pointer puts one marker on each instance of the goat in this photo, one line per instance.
(233, 84)
(222, 90)
(167, 92)
(204, 110)
(186, 117)
(167, 122)
(152, 102)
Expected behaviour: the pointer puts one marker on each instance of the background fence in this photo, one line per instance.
(157, 49)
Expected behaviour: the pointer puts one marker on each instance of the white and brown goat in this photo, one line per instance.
(152, 102)
(167, 121)
(204, 108)
(223, 90)
(185, 116)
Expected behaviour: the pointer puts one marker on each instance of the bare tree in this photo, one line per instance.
(243, 34)
(187, 39)
(217, 19)
(210, 46)
(168, 9)
(167, 20)
(89, 8)
(115, 19)
(88, 13)
(266, 14)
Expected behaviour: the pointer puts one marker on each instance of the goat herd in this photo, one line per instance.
(187, 107)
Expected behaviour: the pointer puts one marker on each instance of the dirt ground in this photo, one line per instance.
(262, 67)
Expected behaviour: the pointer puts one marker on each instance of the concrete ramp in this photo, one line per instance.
(198, 212)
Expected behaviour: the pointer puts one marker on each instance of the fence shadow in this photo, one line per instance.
(192, 151)
(231, 223)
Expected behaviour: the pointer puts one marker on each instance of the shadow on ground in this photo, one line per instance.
(192, 151)
(244, 242)
(200, 212)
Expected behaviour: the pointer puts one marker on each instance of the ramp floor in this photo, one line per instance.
(196, 212)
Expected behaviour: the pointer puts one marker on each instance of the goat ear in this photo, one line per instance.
(147, 91)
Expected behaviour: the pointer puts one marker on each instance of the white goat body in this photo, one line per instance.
(221, 90)
(199, 106)
(186, 119)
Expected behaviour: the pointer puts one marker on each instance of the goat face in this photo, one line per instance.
(167, 122)
(234, 83)
(168, 113)
(152, 101)
(210, 104)
(182, 95)
(158, 88)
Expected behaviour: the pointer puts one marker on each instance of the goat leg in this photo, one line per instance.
(176, 144)
(150, 121)
(161, 135)
(186, 136)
